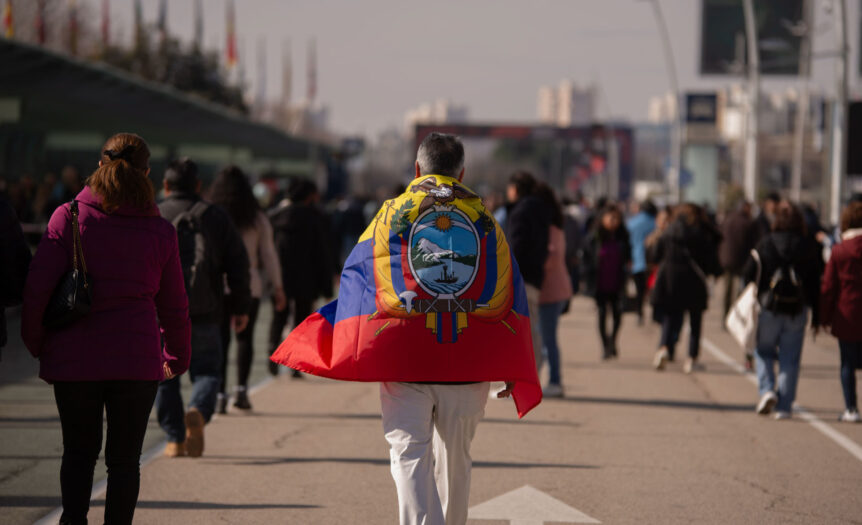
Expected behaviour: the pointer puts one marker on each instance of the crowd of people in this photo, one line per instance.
(174, 282)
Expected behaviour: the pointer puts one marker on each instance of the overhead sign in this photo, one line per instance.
(701, 108)
(723, 42)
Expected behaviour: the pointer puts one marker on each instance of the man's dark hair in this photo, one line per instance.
(524, 183)
(182, 175)
(440, 154)
(649, 208)
(773, 196)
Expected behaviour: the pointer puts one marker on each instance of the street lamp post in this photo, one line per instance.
(750, 173)
(676, 130)
(839, 112)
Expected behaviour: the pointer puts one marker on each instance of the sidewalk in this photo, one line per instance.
(626, 445)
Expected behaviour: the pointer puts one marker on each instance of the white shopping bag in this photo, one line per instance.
(741, 320)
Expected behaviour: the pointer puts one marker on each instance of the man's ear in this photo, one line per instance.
(198, 187)
(165, 186)
(461, 175)
(418, 171)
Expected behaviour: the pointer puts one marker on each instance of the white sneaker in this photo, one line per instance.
(780, 414)
(692, 365)
(553, 390)
(850, 416)
(660, 360)
(767, 403)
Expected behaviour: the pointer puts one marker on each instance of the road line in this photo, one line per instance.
(147, 457)
(840, 439)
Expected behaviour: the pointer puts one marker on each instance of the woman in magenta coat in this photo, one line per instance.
(841, 303)
(112, 359)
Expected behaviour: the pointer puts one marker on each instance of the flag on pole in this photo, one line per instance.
(162, 20)
(106, 23)
(40, 22)
(8, 21)
(230, 49)
(430, 293)
(73, 27)
(286, 74)
(311, 92)
(260, 96)
(199, 25)
(139, 25)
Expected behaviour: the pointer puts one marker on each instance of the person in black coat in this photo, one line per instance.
(303, 242)
(14, 263)
(791, 267)
(605, 262)
(687, 253)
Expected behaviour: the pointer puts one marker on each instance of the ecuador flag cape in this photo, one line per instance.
(431, 293)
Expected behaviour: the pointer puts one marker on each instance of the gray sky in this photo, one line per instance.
(379, 58)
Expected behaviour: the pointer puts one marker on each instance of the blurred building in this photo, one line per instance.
(440, 111)
(567, 104)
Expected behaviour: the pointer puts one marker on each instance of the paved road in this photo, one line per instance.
(626, 445)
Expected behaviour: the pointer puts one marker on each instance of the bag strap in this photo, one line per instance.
(77, 247)
(756, 257)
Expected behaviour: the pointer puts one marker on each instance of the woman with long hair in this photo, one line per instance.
(790, 267)
(606, 260)
(841, 303)
(556, 289)
(111, 360)
(232, 191)
(687, 253)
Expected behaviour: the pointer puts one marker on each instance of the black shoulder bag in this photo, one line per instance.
(71, 299)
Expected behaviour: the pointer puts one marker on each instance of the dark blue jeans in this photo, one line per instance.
(205, 371)
(851, 359)
(549, 317)
(671, 327)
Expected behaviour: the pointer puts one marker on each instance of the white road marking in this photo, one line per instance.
(53, 517)
(528, 506)
(840, 439)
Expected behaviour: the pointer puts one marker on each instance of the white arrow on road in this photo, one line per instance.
(528, 506)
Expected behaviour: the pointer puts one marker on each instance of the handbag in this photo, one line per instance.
(71, 299)
(741, 320)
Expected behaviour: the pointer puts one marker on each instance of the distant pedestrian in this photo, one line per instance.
(640, 226)
(14, 262)
(211, 253)
(841, 303)
(232, 191)
(740, 234)
(556, 290)
(766, 216)
(528, 222)
(304, 247)
(687, 254)
(606, 261)
(789, 288)
(108, 363)
(435, 331)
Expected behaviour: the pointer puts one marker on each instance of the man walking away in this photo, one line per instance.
(211, 249)
(528, 226)
(434, 355)
(739, 233)
(14, 262)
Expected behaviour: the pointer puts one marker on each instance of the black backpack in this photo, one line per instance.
(785, 295)
(196, 259)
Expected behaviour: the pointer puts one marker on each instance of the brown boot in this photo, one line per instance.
(175, 450)
(194, 433)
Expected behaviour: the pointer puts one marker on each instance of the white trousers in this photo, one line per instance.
(429, 429)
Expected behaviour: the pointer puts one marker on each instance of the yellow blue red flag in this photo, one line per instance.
(430, 293)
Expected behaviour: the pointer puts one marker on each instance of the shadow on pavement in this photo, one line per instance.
(252, 461)
(662, 403)
(205, 505)
(30, 501)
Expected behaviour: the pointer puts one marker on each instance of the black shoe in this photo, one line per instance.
(296, 374)
(241, 400)
(221, 404)
(607, 352)
(273, 368)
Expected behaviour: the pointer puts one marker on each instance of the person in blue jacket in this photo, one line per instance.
(640, 225)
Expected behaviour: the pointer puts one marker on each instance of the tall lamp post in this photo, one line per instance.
(750, 172)
(676, 131)
(839, 112)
